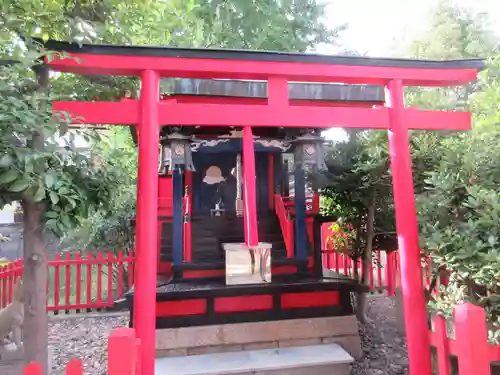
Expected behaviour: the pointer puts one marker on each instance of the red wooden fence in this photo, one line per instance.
(470, 344)
(77, 282)
(382, 277)
(123, 356)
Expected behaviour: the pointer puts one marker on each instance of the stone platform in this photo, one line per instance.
(328, 359)
(188, 341)
(11, 367)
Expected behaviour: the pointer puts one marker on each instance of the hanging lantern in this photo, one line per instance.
(176, 151)
(309, 153)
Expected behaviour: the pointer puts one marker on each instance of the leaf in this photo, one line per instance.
(6, 161)
(66, 221)
(19, 186)
(492, 241)
(72, 202)
(49, 179)
(51, 215)
(51, 224)
(54, 198)
(9, 176)
(40, 193)
(63, 190)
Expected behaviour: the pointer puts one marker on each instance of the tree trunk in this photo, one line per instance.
(35, 329)
(355, 249)
(366, 259)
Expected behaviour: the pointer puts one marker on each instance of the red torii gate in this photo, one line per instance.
(151, 63)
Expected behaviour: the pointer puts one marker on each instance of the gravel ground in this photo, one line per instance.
(83, 338)
(384, 348)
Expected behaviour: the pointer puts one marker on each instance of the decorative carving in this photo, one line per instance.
(207, 143)
(283, 145)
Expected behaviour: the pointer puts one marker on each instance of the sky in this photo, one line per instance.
(376, 26)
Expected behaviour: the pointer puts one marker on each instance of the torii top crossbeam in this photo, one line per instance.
(278, 110)
(276, 68)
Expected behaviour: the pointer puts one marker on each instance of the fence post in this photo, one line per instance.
(389, 274)
(33, 368)
(472, 340)
(122, 352)
(441, 344)
(74, 367)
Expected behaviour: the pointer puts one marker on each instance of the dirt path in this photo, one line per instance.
(384, 348)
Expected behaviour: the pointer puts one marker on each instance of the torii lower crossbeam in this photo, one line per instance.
(192, 114)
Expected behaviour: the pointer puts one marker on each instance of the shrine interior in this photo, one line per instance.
(209, 192)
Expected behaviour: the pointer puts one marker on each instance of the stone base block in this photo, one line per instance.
(11, 367)
(311, 370)
(328, 359)
(259, 335)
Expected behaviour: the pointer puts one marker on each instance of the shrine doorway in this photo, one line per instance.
(214, 182)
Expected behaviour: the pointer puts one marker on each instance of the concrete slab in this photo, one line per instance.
(254, 361)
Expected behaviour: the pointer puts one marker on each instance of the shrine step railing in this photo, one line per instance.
(286, 223)
(285, 210)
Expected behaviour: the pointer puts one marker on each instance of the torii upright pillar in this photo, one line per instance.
(249, 194)
(407, 230)
(147, 216)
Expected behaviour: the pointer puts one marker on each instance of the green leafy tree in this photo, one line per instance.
(267, 24)
(485, 103)
(359, 187)
(455, 32)
(457, 189)
(459, 216)
(56, 186)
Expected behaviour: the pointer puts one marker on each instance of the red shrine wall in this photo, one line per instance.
(164, 215)
(165, 196)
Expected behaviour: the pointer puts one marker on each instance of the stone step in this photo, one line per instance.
(329, 359)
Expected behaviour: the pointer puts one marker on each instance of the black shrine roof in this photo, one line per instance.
(249, 55)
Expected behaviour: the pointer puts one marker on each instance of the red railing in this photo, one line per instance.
(286, 224)
(285, 207)
(77, 282)
(123, 356)
(187, 232)
(381, 276)
(470, 344)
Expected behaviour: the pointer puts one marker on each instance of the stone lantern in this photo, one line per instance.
(309, 153)
(176, 151)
